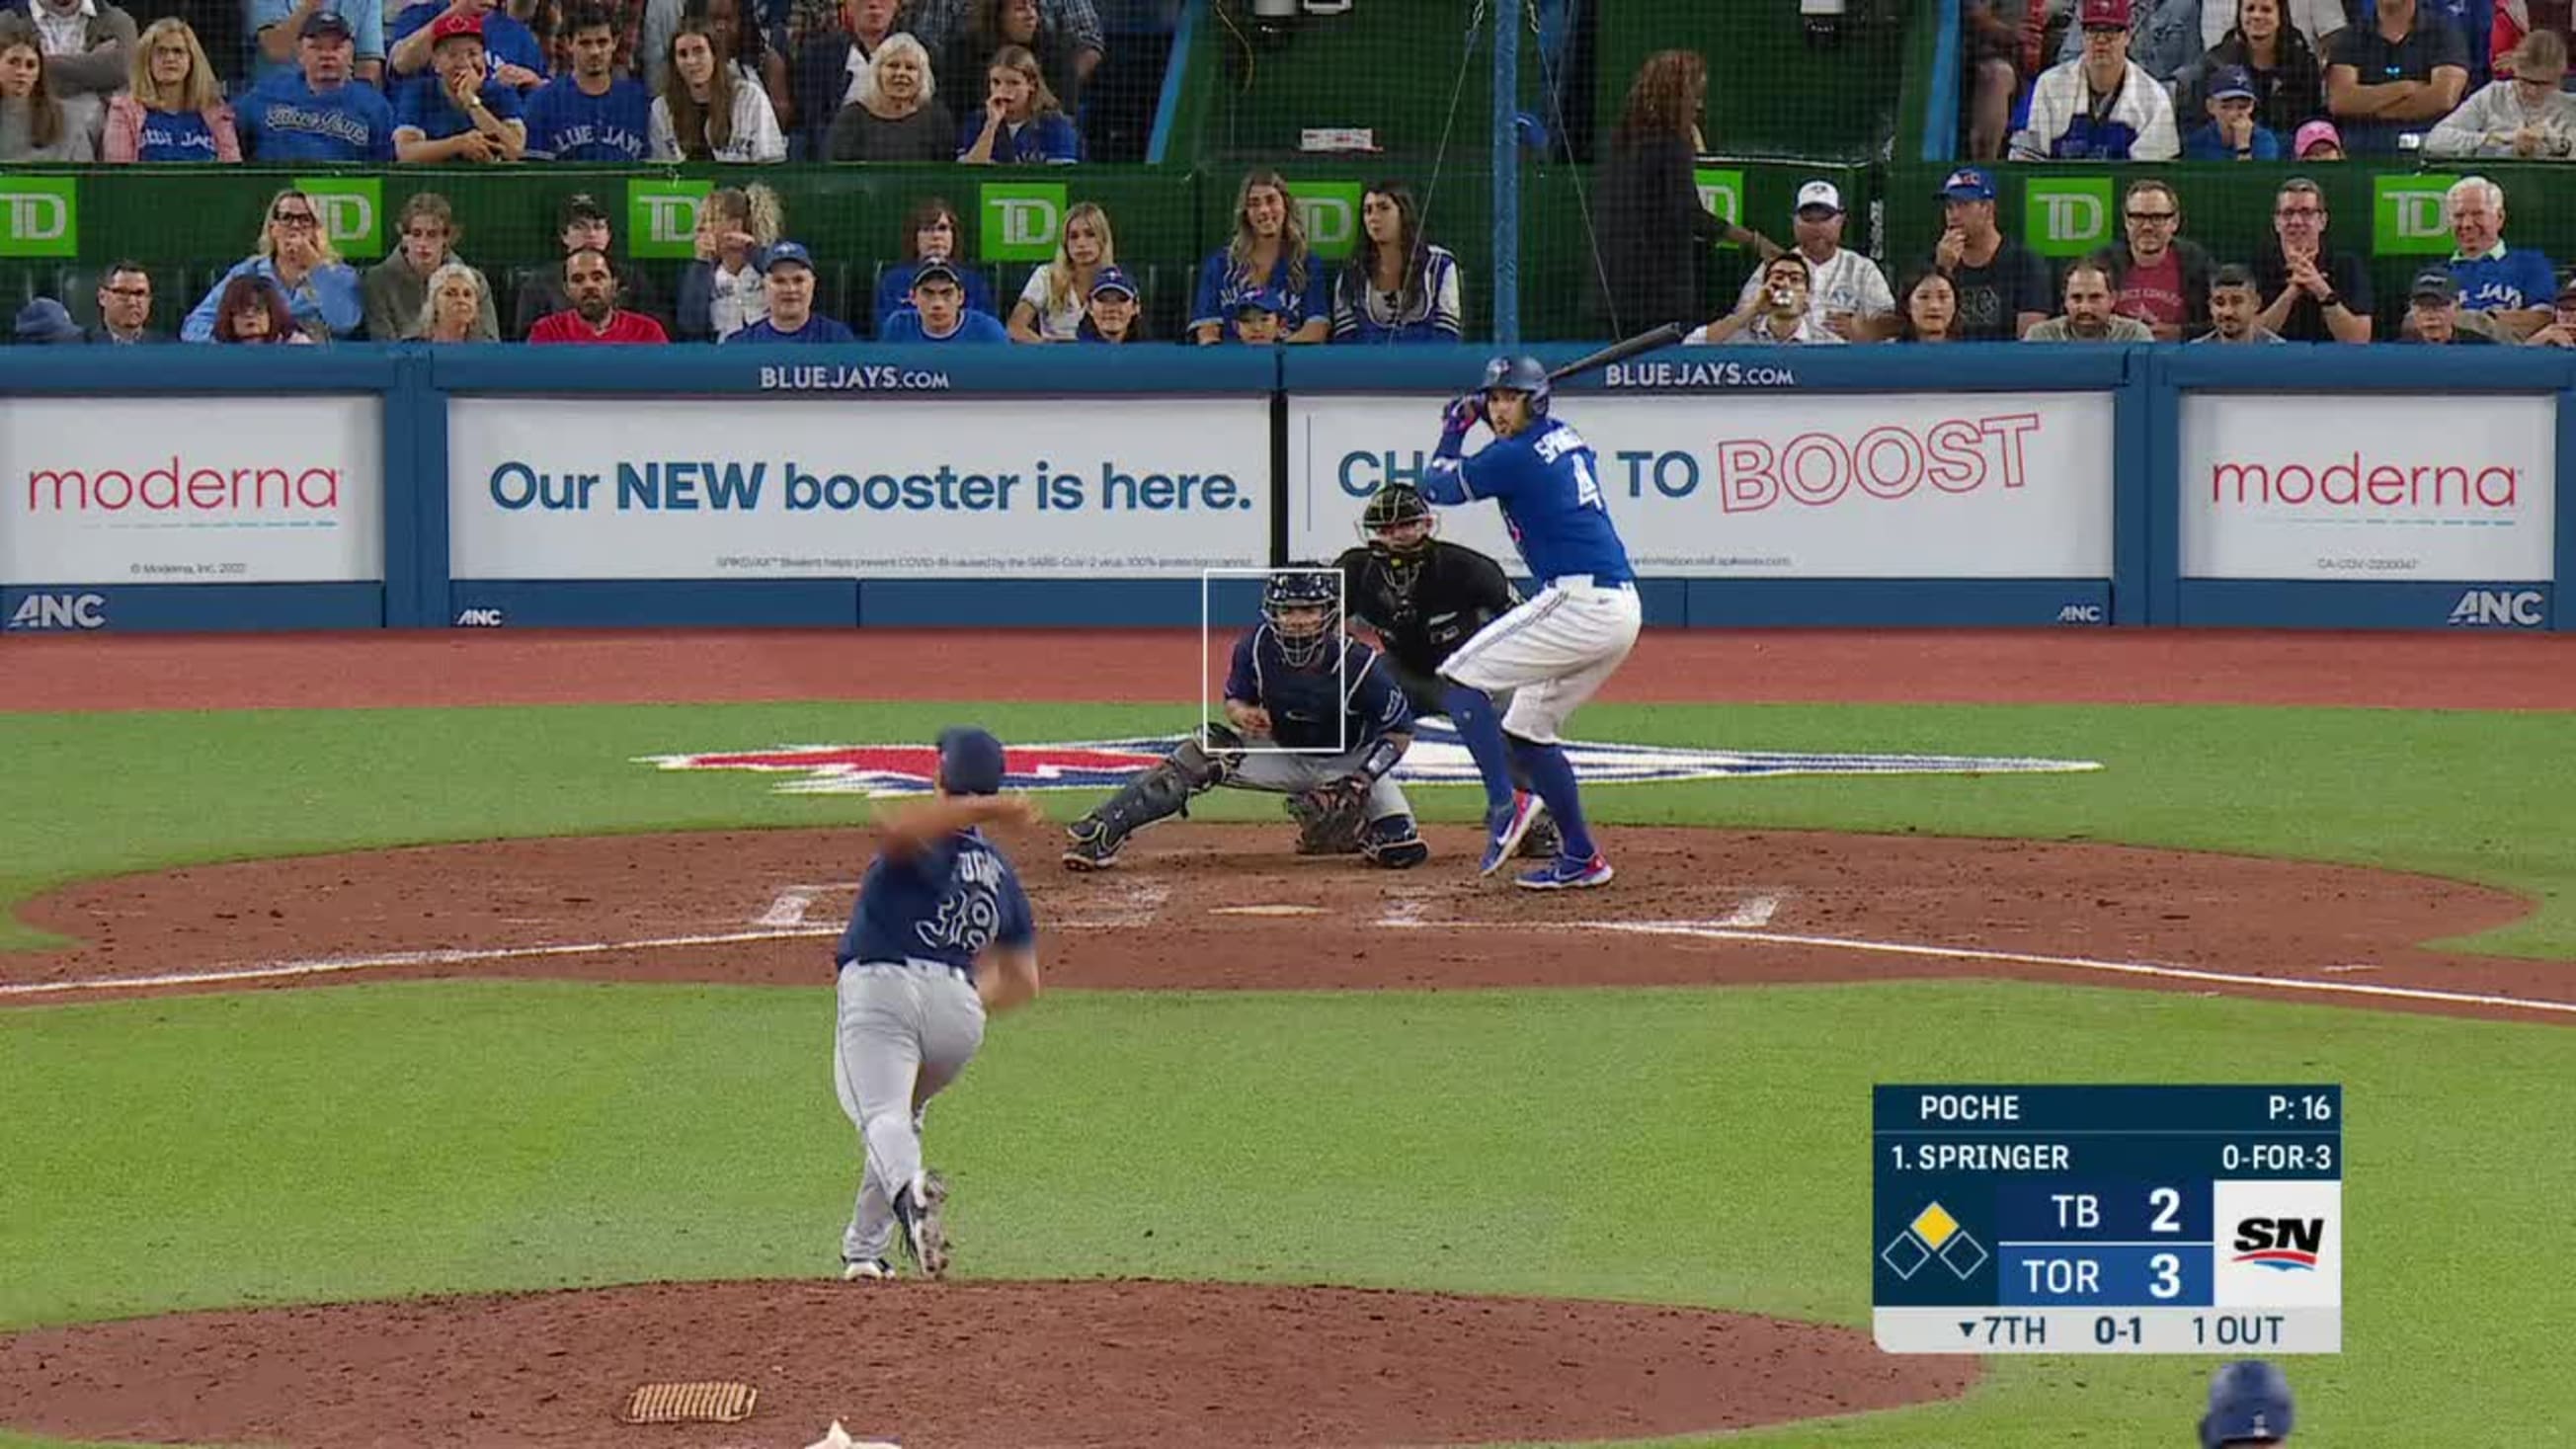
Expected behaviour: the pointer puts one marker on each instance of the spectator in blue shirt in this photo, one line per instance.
(1268, 252)
(317, 113)
(788, 274)
(277, 28)
(1397, 287)
(939, 312)
(458, 112)
(321, 291)
(930, 233)
(516, 57)
(2513, 286)
(2233, 134)
(1021, 120)
(593, 113)
(1113, 314)
(1259, 316)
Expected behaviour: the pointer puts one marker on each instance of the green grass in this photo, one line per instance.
(2470, 795)
(1703, 1147)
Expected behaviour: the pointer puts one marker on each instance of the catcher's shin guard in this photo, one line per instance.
(1393, 844)
(1161, 792)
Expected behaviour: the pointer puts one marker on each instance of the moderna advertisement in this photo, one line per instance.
(2386, 488)
(1980, 485)
(166, 490)
(671, 488)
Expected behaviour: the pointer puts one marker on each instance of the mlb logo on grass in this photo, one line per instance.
(662, 218)
(1022, 220)
(1330, 211)
(2279, 1244)
(2066, 218)
(1722, 192)
(352, 211)
(2406, 215)
(39, 216)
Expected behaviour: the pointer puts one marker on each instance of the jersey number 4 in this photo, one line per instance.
(1587, 489)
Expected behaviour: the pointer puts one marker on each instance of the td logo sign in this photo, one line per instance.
(1330, 212)
(2066, 217)
(2406, 216)
(662, 217)
(39, 216)
(1021, 220)
(352, 211)
(1722, 192)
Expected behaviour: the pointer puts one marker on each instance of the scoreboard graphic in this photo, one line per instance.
(2107, 1219)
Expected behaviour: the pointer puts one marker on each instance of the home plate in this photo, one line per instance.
(1266, 910)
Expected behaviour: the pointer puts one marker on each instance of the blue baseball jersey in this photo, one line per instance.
(423, 103)
(972, 326)
(818, 329)
(946, 904)
(1321, 706)
(1549, 484)
(2507, 277)
(287, 120)
(567, 124)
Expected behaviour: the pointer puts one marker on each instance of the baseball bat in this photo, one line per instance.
(1664, 336)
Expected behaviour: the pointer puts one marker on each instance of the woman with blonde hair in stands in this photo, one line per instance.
(1022, 122)
(2524, 114)
(1051, 307)
(455, 308)
(1267, 254)
(721, 293)
(707, 111)
(34, 126)
(174, 109)
(897, 116)
(322, 291)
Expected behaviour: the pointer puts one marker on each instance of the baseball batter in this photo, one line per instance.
(1425, 596)
(1554, 651)
(1298, 682)
(940, 938)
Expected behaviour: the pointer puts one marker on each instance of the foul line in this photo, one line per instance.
(328, 964)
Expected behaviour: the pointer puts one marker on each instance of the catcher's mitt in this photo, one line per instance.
(1330, 817)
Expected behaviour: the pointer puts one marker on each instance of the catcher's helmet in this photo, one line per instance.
(2249, 1403)
(1518, 374)
(1303, 586)
(1393, 506)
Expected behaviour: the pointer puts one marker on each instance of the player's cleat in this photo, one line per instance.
(1504, 828)
(1542, 842)
(1562, 874)
(920, 1211)
(1091, 845)
(866, 1270)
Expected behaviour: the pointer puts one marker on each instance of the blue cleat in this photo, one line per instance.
(1504, 828)
(1563, 874)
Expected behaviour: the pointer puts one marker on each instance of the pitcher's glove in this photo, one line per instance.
(1330, 816)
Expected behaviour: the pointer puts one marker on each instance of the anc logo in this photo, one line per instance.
(1437, 758)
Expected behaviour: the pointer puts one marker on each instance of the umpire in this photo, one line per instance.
(1425, 596)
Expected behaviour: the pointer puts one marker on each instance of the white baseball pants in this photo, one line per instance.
(1553, 653)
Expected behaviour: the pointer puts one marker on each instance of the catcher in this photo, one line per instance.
(1299, 682)
(1425, 596)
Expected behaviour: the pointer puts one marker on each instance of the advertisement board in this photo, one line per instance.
(2382, 488)
(1780, 485)
(702, 488)
(160, 490)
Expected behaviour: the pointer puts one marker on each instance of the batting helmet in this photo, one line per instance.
(2249, 1403)
(1303, 586)
(1393, 506)
(1518, 374)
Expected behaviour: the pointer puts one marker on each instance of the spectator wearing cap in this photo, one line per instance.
(397, 289)
(1051, 306)
(1261, 317)
(2561, 331)
(124, 307)
(2395, 75)
(939, 311)
(1113, 315)
(2318, 294)
(1268, 252)
(278, 28)
(45, 322)
(930, 233)
(1021, 121)
(2317, 141)
(320, 291)
(1847, 293)
(34, 123)
(787, 273)
(465, 114)
(2433, 312)
(594, 316)
(723, 292)
(88, 50)
(2100, 106)
(2001, 287)
(317, 112)
(2249, 1403)
(1779, 309)
(2524, 115)
(2164, 36)
(1397, 286)
(175, 110)
(2279, 60)
(2516, 20)
(2158, 275)
(581, 224)
(590, 113)
(2089, 313)
(2233, 132)
(2235, 308)
(511, 50)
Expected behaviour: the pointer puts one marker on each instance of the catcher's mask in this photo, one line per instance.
(1303, 606)
(1397, 522)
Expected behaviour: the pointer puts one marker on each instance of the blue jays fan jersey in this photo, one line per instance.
(945, 904)
(1320, 706)
(1549, 485)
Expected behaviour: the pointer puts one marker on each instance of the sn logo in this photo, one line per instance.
(36, 216)
(60, 611)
